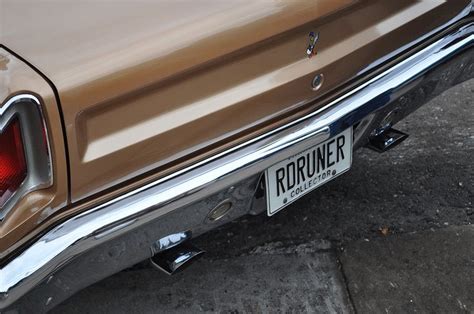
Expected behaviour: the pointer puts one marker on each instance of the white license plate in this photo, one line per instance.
(292, 178)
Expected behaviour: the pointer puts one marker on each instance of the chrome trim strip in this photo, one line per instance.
(27, 108)
(151, 202)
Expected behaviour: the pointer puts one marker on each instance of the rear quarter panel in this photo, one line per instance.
(16, 77)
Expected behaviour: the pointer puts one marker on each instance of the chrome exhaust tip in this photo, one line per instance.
(386, 140)
(176, 258)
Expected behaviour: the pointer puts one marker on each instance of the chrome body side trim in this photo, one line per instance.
(181, 201)
(27, 108)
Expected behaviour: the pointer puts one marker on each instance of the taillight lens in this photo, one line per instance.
(25, 161)
(13, 168)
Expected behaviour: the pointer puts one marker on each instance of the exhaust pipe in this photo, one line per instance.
(176, 258)
(386, 140)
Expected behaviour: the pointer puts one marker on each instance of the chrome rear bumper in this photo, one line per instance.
(122, 232)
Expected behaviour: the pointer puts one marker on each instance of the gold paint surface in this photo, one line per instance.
(149, 87)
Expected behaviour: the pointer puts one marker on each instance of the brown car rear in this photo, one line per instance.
(134, 93)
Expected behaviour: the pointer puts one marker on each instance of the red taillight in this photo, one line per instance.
(12, 160)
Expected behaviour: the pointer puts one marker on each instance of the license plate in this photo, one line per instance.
(292, 178)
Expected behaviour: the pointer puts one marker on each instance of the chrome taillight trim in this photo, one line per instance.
(27, 108)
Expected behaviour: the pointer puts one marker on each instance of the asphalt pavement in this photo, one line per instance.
(392, 235)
